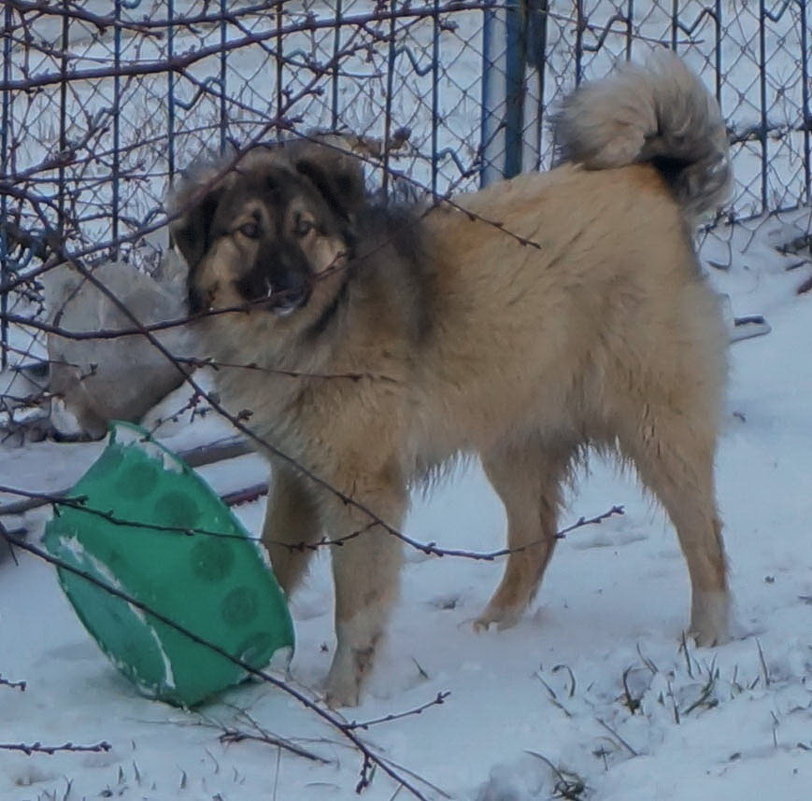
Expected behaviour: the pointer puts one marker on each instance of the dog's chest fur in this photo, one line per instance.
(303, 392)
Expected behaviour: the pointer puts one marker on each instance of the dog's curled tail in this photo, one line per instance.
(660, 113)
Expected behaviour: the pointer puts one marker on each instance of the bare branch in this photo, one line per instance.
(366, 724)
(183, 61)
(242, 496)
(38, 748)
(260, 734)
(78, 13)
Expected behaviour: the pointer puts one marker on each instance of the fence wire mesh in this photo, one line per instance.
(101, 104)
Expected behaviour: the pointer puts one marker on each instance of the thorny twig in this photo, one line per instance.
(38, 748)
(429, 548)
(232, 735)
(258, 733)
(440, 699)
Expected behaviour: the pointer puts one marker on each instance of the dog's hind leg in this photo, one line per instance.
(366, 569)
(292, 525)
(528, 478)
(674, 453)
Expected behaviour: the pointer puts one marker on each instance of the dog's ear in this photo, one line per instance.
(193, 204)
(335, 172)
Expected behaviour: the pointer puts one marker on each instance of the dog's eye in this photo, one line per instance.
(249, 229)
(303, 227)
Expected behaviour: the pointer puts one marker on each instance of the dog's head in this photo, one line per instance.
(273, 232)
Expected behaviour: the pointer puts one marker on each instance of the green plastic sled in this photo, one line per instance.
(150, 527)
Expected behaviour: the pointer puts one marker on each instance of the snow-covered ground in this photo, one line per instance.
(591, 695)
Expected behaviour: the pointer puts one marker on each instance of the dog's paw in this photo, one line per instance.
(500, 617)
(343, 685)
(708, 638)
(481, 625)
(710, 619)
(342, 691)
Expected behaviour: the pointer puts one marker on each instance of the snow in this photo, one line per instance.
(593, 693)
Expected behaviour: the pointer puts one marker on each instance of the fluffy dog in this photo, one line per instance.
(579, 319)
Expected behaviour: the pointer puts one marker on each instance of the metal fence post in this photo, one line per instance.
(486, 132)
(223, 74)
(391, 56)
(116, 210)
(435, 95)
(170, 90)
(806, 111)
(5, 260)
(762, 93)
(514, 87)
(336, 72)
(536, 53)
(504, 63)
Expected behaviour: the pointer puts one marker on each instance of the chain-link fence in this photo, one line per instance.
(102, 103)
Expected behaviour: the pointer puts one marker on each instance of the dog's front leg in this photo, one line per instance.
(366, 565)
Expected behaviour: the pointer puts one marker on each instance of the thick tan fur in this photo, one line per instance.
(601, 333)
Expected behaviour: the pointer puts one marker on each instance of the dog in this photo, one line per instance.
(367, 344)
